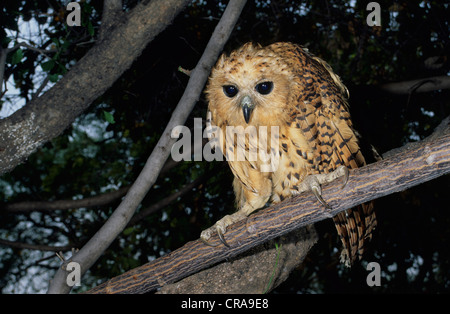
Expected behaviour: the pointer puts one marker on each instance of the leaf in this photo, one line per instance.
(274, 268)
(17, 56)
(65, 46)
(128, 231)
(62, 69)
(109, 117)
(47, 66)
(5, 41)
(90, 29)
(53, 78)
(56, 41)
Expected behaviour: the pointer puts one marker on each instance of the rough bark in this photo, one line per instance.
(402, 168)
(47, 116)
(259, 270)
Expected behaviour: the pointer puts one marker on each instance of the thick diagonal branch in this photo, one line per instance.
(404, 168)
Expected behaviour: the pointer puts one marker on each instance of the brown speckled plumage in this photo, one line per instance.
(307, 102)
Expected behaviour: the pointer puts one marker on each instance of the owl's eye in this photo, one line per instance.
(230, 90)
(264, 88)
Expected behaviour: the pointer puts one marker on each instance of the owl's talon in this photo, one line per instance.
(206, 235)
(222, 239)
(207, 243)
(221, 227)
(346, 174)
(318, 194)
(313, 182)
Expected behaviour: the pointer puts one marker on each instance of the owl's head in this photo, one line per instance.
(251, 86)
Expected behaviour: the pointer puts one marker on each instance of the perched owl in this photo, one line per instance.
(284, 86)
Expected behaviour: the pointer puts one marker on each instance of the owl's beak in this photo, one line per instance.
(247, 107)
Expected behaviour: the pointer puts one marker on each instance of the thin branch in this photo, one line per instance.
(166, 201)
(98, 200)
(408, 166)
(5, 51)
(88, 202)
(184, 71)
(121, 216)
(39, 247)
(3, 55)
(43, 52)
(142, 214)
(418, 86)
(41, 87)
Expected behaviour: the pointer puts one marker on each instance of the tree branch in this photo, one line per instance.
(165, 201)
(418, 86)
(93, 201)
(259, 270)
(47, 116)
(111, 11)
(88, 202)
(97, 200)
(39, 247)
(406, 167)
(43, 52)
(121, 216)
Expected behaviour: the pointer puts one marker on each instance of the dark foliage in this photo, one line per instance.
(96, 156)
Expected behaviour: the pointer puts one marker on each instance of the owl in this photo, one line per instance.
(301, 104)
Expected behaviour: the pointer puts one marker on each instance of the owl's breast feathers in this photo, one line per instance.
(315, 135)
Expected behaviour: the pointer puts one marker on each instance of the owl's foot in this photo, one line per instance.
(313, 182)
(221, 227)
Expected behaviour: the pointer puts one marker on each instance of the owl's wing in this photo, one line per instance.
(322, 118)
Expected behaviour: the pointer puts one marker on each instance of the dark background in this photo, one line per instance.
(411, 243)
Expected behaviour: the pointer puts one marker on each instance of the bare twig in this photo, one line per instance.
(3, 55)
(39, 247)
(98, 200)
(418, 86)
(165, 201)
(5, 51)
(184, 71)
(41, 87)
(93, 201)
(43, 52)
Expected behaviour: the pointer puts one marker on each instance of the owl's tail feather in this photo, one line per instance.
(355, 227)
